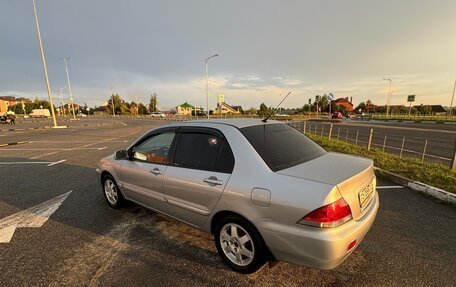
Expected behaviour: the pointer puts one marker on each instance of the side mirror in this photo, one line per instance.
(121, 154)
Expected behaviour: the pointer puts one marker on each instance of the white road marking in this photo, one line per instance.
(33, 217)
(101, 148)
(24, 162)
(90, 144)
(57, 162)
(59, 149)
(70, 141)
(389, 186)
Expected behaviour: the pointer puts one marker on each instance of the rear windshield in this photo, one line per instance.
(281, 146)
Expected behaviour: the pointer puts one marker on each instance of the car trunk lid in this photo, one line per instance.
(353, 176)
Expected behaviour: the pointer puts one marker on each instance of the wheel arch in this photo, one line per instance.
(222, 213)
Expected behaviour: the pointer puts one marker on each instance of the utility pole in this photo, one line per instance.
(452, 98)
(48, 86)
(61, 102)
(207, 85)
(65, 59)
(389, 95)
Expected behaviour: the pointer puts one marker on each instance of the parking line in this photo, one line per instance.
(57, 162)
(389, 186)
(24, 162)
(59, 149)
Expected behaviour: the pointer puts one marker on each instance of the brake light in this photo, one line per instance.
(331, 215)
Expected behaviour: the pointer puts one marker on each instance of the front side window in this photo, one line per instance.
(155, 149)
(205, 152)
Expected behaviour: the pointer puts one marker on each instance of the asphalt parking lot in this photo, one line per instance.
(84, 242)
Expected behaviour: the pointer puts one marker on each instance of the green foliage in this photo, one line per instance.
(37, 104)
(430, 173)
(117, 104)
(153, 104)
(361, 106)
(142, 109)
(251, 111)
(264, 110)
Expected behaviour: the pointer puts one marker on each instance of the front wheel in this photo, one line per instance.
(239, 244)
(111, 192)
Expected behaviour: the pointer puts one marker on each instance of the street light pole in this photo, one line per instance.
(65, 59)
(61, 102)
(452, 98)
(48, 86)
(207, 85)
(389, 95)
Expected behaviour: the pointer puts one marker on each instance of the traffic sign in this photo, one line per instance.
(410, 98)
(221, 98)
(330, 96)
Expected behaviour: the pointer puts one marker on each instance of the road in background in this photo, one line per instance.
(85, 242)
(437, 140)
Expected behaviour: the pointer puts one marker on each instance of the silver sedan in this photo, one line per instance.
(265, 190)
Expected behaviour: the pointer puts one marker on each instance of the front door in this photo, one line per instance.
(142, 175)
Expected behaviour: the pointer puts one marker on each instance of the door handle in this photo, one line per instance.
(213, 180)
(155, 171)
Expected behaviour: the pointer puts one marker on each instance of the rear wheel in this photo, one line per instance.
(111, 192)
(239, 244)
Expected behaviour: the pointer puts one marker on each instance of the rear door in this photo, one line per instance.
(201, 167)
(142, 175)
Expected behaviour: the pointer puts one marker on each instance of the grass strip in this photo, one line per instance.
(433, 174)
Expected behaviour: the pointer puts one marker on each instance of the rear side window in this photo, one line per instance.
(203, 151)
(281, 146)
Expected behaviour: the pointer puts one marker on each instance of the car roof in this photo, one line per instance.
(238, 123)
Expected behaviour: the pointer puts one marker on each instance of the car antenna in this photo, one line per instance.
(266, 119)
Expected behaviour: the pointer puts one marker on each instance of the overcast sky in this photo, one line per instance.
(266, 48)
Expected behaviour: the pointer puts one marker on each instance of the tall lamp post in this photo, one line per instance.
(389, 96)
(207, 85)
(48, 86)
(61, 101)
(65, 59)
(452, 98)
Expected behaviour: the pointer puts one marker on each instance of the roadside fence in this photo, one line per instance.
(423, 149)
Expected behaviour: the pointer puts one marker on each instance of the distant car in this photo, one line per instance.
(40, 113)
(264, 190)
(81, 115)
(337, 115)
(157, 115)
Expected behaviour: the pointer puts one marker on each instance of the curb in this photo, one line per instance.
(13, 143)
(28, 129)
(434, 192)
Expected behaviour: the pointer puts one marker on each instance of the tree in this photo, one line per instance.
(264, 110)
(134, 108)
(361, 106)
(118, 102)
(324, 103)
(36, 104)
(153, 105)
(142, 109)
(251, 111)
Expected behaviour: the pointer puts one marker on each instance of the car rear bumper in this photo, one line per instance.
(321, 248)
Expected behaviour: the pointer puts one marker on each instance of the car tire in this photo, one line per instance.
(239, 244)
(111, 192)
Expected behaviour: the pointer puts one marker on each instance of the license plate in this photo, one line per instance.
(365, 194)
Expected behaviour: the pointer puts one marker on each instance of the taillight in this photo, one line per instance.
(330, 215)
